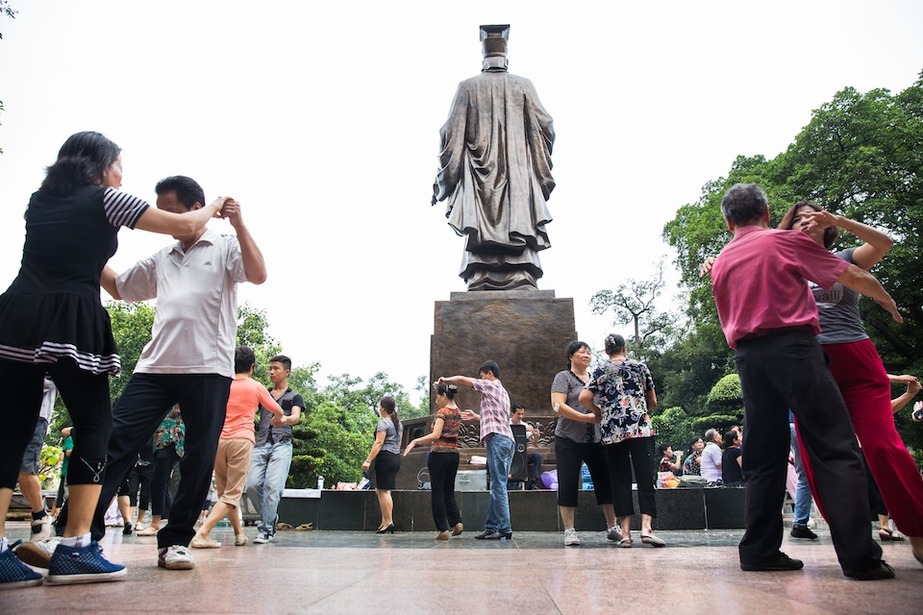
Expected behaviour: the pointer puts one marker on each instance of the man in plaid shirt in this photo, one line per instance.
(498, 438)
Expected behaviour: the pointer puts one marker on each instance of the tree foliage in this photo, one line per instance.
(635, 303)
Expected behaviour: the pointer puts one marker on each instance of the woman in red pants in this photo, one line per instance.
(859, 371)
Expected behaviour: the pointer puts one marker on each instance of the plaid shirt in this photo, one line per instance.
(495, 408)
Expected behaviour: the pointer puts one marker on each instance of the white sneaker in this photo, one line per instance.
(175, 557)
(262, 538)
(614, 534)
(570, 538)
(41, 529)
(37, 555)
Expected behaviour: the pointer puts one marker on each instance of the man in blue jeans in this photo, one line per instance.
(498, 438)
(272, 455)
(802, 505)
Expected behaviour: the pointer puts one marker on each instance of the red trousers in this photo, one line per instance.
(864, 383)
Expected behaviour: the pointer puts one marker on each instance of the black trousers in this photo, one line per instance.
(443, 468)
(570, 456)
(161, 499)
(636, 453)
(86, 396)
(203, 400)
(788, 370)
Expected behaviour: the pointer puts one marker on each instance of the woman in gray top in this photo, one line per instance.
(860, 373)
(577, 441)
(385, 454)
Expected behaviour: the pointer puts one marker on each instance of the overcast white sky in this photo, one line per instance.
(323, 120)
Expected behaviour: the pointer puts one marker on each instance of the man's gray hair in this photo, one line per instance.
(744, 203)
(710, 435)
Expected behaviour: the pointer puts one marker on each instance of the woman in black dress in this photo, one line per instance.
(52, 320)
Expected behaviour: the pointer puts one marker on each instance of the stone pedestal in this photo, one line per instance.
(525, 331)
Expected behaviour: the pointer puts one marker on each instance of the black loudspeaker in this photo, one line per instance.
(519, 469)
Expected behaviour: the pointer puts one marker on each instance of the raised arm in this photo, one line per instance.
(254, 265)
(156, 220)
(865, 283)
(869, 253)
(465, 380)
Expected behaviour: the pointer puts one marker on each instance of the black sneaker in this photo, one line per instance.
(881, 572)
(781, 562)
(803, 532)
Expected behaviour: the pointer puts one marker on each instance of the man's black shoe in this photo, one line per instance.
(493, 535)
(803, 532)
(883, 571)
(782, 562)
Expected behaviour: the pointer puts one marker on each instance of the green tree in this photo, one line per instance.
(673, 425)
(634, 304)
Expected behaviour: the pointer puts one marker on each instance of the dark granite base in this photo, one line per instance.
(531, 511)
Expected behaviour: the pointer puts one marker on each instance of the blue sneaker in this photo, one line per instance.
(13, 573)
(70, 565)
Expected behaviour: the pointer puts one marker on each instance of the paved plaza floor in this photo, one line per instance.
(364, 573)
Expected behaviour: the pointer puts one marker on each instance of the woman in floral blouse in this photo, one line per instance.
(169, 440)
(621, 392)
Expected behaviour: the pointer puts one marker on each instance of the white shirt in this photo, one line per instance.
(195, 324)
(711, 462)
(49, 393)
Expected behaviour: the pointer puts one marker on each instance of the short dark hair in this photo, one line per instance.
(572, 349)
(744, 203)
(244, 359)
(516, 407)
(614, 343)
(788, 222)
(187, 190)
(693, 440)
(491, 367)
(663, 448)
(82, 161)
(284, 360)
(730, 437)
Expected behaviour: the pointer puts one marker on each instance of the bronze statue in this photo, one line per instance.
(495, 172)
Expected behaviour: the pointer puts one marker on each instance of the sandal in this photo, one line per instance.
(283, 527)
(650, 539)
(889, 535)
(305, 527)
(625, 543)
(149, 531)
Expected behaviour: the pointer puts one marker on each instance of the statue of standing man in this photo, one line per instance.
(495, 172)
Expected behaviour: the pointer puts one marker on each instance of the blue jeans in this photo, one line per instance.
(266, 481)
(802, 489)
(499, 459)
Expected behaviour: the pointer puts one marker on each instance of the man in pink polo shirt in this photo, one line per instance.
(768, 316)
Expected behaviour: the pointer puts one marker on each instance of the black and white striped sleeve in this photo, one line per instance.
(123, 209)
